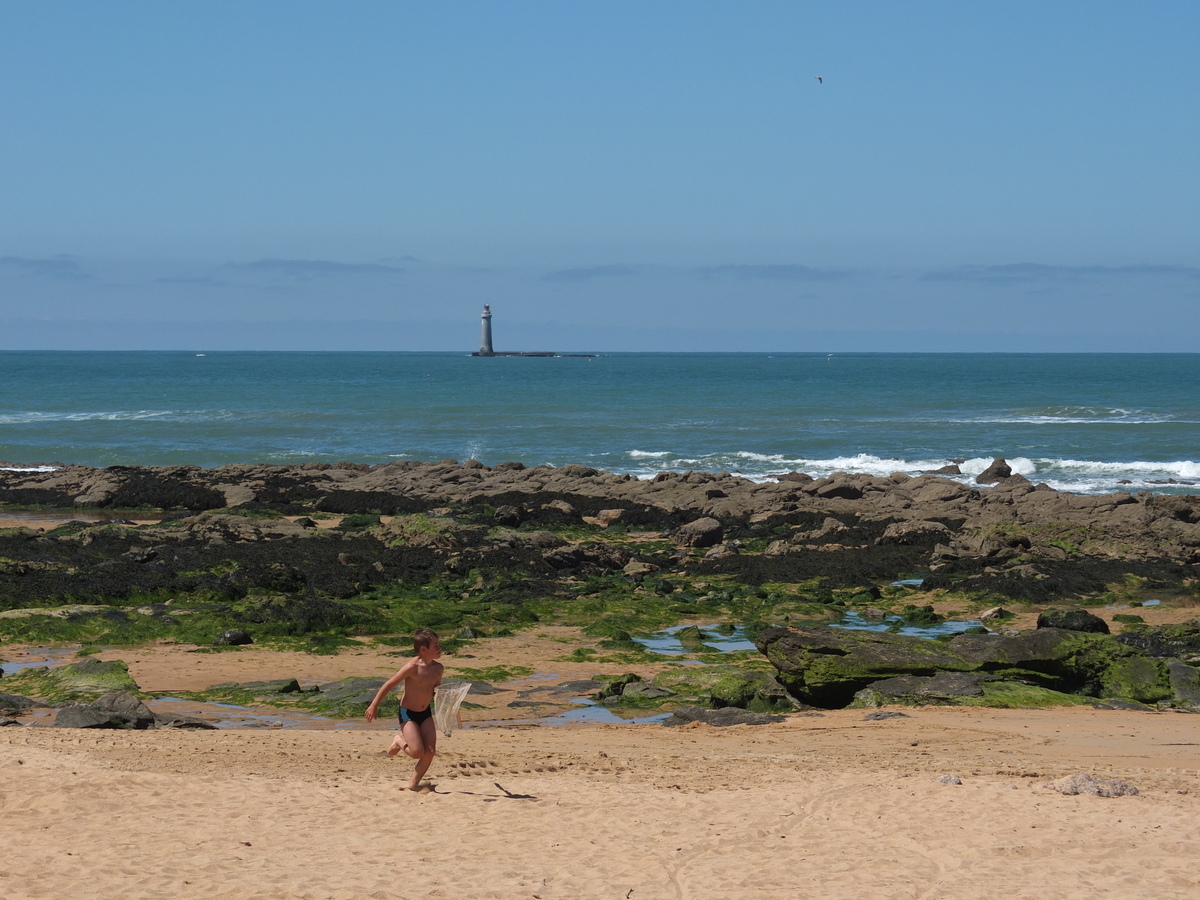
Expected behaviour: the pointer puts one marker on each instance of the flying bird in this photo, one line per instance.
(820, 79)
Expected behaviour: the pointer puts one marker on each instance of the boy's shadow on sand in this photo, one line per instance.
(486, 797)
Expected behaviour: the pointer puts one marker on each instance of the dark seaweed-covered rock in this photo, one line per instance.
(276, 686)
(157, 490)
(1182, 640)
(1072, 620)
(721, 718)
(305, 613)
(235, 637)
(349, 502)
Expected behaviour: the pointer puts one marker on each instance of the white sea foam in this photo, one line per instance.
(1077, 476)
(1074, 415)
(127, 415)
(648, 454)
(29, 468)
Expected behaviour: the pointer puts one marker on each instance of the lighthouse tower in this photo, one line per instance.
(485, 343)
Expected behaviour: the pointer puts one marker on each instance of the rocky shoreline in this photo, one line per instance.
(329, 554)
(956, 526)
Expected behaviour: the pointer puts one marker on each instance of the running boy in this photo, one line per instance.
(421, 675)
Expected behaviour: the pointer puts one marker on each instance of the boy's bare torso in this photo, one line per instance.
(419, 684)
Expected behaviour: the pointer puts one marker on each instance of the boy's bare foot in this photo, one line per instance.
(398, 746)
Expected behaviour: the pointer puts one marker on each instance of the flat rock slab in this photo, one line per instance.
(17, 702)
(352, 690)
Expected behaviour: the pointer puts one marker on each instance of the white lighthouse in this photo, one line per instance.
(485, 342)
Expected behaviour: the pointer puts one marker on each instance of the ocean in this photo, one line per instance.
(1089, 423)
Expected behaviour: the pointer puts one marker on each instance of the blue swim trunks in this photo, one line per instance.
(414, 716)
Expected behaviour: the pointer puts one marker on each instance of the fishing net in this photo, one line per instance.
(447, 698)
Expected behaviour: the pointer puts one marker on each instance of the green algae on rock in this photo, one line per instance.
(88, 680)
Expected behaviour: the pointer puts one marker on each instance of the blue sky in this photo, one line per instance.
(608, 176)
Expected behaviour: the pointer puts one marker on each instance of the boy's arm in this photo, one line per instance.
(387, 687)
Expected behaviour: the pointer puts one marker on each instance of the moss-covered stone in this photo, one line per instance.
(720, 686)
(1137, 678)
(828, 667)
(101, 676)
(615, 688)
(1015, 695)
(86, 680)
(691, 639)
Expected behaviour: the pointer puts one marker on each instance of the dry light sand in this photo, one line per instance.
(825, 806)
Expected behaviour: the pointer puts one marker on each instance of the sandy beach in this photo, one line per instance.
(826, 805)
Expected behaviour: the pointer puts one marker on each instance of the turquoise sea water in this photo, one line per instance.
(1082, 422)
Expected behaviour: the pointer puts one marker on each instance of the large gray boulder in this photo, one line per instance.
(706, 532)
(918, 689)
(126, 705)
(120, 709)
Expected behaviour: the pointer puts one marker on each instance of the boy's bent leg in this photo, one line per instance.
(411, 742)
(428, 738)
